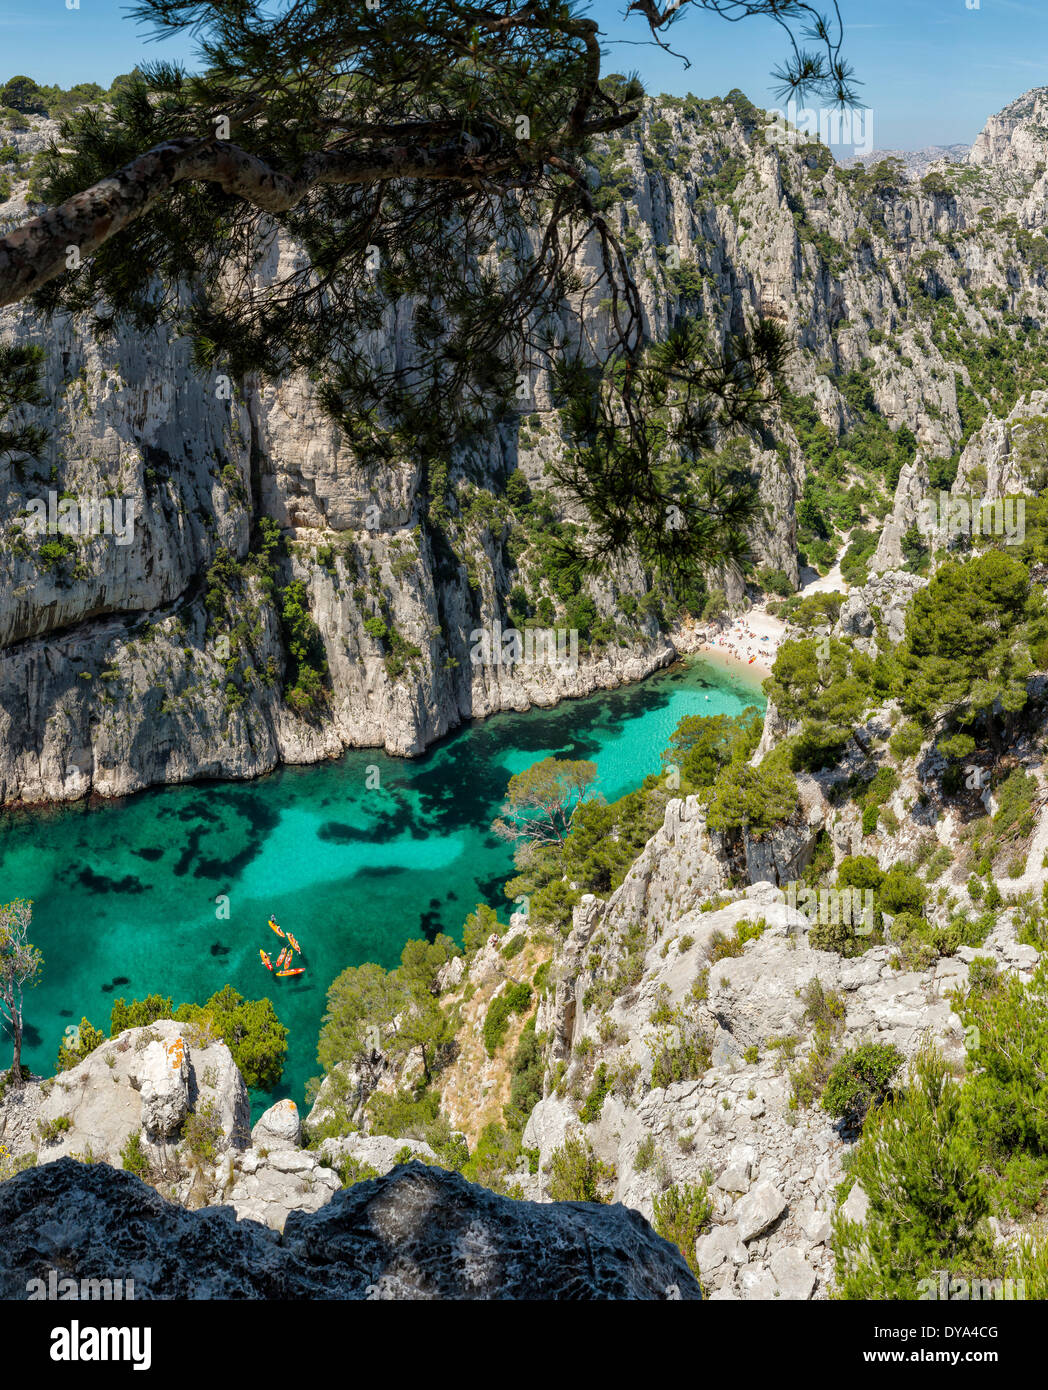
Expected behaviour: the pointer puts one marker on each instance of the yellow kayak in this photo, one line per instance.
(275, 927)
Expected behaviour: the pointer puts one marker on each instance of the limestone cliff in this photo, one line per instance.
(117, 671)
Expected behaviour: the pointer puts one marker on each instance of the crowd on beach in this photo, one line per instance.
(752, 640)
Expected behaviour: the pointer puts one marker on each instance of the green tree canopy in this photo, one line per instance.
(919, 1165)
(393, 1011)
(826, 685)
(974, 635)
(250, 1029)
(541, 801)
(703, 744)
(23, 94)
(752, 800)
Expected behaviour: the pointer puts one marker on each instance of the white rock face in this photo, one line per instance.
(279, 1127)
(147, 1082)
(144, 1082)
(1015, 137)
(758, 1210)
(110, 682)
(161, 1074)
(269, 1189)
(911, 494)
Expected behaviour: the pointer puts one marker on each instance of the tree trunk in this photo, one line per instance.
(16, 1064)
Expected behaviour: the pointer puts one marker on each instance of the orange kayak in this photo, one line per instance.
(275, 927)
(294, 943)
(298, 970)
(266, 961)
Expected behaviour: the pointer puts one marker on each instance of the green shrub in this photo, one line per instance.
(576, 1174)
(824, 1012)
(351, 1171)
(51, 1130)
(526, 1074)
(594, 1102)
(133, 1159)
(860, 1079)
(683, 1060)
(514, 999)
(202, 1132)
(645, 1155)
(72, 1051)
(906, 741)
(681, 1215)
(140, 1013)
(919, 1165)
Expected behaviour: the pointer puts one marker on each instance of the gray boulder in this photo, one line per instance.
(279, 1127)
(759, 1210)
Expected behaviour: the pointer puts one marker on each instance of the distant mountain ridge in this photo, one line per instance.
(915, 163)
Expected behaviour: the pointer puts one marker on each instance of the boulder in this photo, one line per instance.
(161, 1074)
(794, 1276)
(418, 1232)
(856, 1205)
(735, 1176)
(145, 1081)
(719, 1246)
(279, 1127)
(759, 1210)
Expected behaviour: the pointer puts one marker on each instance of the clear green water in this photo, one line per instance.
(125, 893)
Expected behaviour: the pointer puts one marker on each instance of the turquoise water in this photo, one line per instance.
(125, 893)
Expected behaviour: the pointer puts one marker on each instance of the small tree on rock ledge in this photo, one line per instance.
(20, 964)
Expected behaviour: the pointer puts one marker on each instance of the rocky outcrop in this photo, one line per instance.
(142, 1084)
(1016, 138)
(419, 1232)
(911, 495)
(881, 602)
(1006, 457)
(170, 1103)
(775, 1168)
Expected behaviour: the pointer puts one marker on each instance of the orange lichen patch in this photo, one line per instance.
(177, 1052)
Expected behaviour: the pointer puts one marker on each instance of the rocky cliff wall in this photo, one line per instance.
(115, 673)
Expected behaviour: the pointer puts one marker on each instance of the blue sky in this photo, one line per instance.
(933, 70)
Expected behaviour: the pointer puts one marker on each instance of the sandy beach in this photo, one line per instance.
(753, 640)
